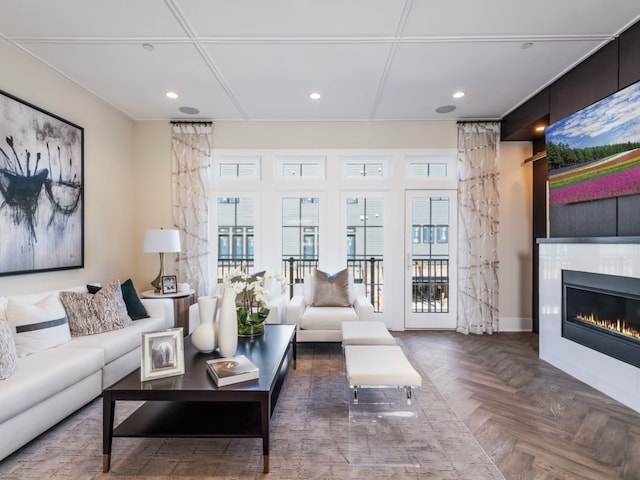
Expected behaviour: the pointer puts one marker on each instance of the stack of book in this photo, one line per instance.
(226, 371)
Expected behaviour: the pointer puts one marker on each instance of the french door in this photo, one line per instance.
(430, 259)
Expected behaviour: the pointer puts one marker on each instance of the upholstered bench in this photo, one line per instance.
(366, 333)
(378, 417)
(375, 366)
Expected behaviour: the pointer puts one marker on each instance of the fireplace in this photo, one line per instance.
(602, 312)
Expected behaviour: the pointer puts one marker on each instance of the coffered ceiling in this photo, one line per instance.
(260, 59)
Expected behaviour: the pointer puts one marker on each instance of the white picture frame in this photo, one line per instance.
(162, 354)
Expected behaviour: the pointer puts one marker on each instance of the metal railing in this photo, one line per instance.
(430, 285)
(225, 265)
(295, 269)
(368, 271)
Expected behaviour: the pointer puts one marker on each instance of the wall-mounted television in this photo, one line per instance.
(595, 152)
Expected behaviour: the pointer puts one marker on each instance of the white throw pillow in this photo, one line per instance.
(8, 354)
(37, 326)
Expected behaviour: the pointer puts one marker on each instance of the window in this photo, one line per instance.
(363, 167)
(427, 234)
(242, 168)
(300, 239)
(235, 234)
(300, 167)
(365, 244)
(432, 166)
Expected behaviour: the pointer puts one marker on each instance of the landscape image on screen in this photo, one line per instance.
(595, 153)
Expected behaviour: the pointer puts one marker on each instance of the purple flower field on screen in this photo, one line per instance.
(616, 184)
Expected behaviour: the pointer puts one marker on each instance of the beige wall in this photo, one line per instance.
(514, 238)
(108, 173)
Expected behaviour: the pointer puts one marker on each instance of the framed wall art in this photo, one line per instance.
(41, 190)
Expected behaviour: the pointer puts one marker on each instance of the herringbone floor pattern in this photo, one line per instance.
(533, 420)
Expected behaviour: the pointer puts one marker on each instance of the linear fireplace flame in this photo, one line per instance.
(602, 312)
(621, 327)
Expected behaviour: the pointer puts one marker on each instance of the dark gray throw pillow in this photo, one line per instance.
(135, 308)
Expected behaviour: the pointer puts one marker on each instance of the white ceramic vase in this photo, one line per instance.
(228, 324)
(203, 336)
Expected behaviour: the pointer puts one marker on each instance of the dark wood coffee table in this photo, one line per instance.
(191, 405)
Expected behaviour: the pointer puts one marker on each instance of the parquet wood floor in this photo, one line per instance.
(535, 421)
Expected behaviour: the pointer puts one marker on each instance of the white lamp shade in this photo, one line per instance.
(161, 241)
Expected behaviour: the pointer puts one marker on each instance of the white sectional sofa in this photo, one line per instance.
(49, 385)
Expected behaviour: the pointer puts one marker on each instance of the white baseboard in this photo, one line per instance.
(511, 324)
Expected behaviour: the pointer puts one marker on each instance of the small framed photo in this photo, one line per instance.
(169, 284)
(162, 354)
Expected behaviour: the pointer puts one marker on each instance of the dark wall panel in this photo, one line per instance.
(630, 56)
(588, 82)
(585, 219)
(629, 215)
(519, 124)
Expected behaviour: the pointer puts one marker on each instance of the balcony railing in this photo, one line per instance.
(430, 285)
(368, 271)
(225, 265)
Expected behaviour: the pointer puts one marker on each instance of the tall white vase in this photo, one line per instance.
(228, 324)
(203, 336)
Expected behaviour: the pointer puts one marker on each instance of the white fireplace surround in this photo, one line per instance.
(612, 256)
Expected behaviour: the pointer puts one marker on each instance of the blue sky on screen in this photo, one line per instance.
(615, 119)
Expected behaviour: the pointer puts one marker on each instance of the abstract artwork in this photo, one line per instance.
(41, 190)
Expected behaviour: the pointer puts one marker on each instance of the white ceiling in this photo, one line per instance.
(260, 59)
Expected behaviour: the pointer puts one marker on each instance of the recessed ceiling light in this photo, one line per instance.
(171, 95)
(314, 96)
(540, 129)
(189, 110)
(458, 94)
(148, 47)
(446, 109)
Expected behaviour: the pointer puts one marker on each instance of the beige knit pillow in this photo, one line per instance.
(103, 311)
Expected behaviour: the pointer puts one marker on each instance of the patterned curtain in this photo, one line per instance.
(191, 162)
(478, 221)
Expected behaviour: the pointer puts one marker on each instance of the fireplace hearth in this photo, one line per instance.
(602, 312)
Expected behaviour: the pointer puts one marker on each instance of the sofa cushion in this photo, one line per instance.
(117, 343)
(326, 318)
(44, 374)
(96, 313)
(37, 326)
(135, 308)
(8, 353)
(331, 290)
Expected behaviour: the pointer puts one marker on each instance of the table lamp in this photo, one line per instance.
(161, 241)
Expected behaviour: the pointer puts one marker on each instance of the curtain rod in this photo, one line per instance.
(478, 121)
(536, 157)
(191, 122)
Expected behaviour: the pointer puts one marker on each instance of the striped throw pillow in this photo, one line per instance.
(37, 326)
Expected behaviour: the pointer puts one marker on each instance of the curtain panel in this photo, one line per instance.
(478, 222)
(190, 170)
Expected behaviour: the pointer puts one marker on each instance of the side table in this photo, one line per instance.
(181, 303)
